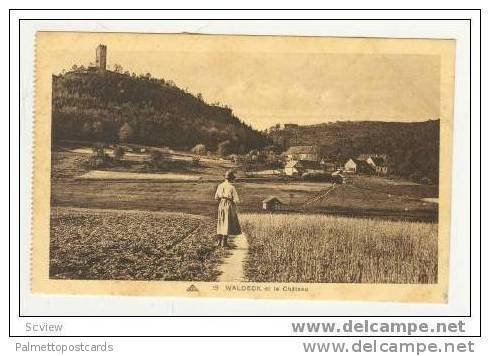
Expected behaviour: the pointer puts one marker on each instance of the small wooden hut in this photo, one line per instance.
(271, 203)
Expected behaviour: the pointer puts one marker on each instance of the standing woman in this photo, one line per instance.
(227, 217)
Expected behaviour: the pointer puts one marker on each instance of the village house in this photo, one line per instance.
(303, 153)
(357, 166)
(327, 165)
(300, 167)
(293, 168)
(382, 170)
(271, 203)
(338, 177)
(378, 164)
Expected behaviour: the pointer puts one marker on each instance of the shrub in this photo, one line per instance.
(99, 158)
(224, 148)
(126, 133)
(158, 159)
(199, 149)
(317, 177)
(98, 150)
(196, 161)
(415, 176)
(119, 152)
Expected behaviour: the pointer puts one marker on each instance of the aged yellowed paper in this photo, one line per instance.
(242, 166)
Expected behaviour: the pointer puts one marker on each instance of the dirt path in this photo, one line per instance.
(323, 194)
(232, 269)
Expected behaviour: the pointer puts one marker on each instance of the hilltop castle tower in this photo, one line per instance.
(101, 57)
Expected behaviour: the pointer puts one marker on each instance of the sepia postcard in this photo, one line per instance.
(280, 167)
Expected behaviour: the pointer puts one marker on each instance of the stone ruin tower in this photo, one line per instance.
(101, 57)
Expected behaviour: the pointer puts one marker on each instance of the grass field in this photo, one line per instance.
(163, 230)
(68, 156)
(132, 245)
(365, 196)
(188, 197)
(67, 165)
(400, 187)
(351, 199)
(317, 248)
(133, 176)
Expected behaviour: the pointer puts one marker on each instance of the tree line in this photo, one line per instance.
(412, 148)
(110, 106)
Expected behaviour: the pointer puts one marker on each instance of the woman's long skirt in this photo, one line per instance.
(227, 219)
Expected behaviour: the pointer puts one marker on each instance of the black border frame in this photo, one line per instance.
(249, 316)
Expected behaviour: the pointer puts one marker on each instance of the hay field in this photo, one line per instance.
(327, 249)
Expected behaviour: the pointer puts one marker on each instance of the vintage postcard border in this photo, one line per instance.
(366, 292)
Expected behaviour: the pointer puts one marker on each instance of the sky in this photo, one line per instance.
(269, 80)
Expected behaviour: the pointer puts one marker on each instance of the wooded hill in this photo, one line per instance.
(412, 148)
(112, 107)
(94, 106)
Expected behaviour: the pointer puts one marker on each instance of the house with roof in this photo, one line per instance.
(328, 166)
(300, 167)
(338, 177)
(293, 168)
(303, 153)
(271, 203)
(354, 165)
(378, 164)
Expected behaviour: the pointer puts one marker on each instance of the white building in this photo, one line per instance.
(293, 168)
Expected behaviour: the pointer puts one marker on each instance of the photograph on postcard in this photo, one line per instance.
(242, 166)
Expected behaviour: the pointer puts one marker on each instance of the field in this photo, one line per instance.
(172, 191)
(194, 197)
(73, 155)
(160, 226)
(132, 245)
(399, 187)
(133, 176)
(318, 248)
(363, 200)
(67, 165)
